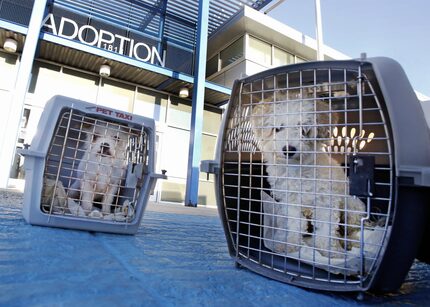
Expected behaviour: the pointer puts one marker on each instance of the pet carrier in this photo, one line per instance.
(322, 173)
(89, 167)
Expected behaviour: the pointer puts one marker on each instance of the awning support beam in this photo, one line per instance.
(23, 78)
(195, 146)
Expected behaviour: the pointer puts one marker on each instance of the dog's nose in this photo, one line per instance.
(289, 151)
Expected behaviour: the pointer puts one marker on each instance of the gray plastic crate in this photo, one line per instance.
(322, 174)
(89, 167)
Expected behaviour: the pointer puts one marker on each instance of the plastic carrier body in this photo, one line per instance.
(322, 174)
(89, 167)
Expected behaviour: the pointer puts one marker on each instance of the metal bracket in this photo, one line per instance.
(134, 175)
(209, 167)
(156, 177)
(361, 175)
(419, 176)
(160, 176)
(31, 153)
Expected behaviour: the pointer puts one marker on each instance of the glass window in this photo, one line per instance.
(232, 53)
(211, 121)
(208, 152)
(179, 113)
(5, 103)
(46, 81)
(206, 187)
(175, 152)
(207, 194)
(116, 95)
(300, 60)
(281, 57)
(212, 66)
(259, 51)
(181, 61)
(172, 191)
(33, 114)
(8, 70)
(150, 104)
(79, 85)
(208, 147)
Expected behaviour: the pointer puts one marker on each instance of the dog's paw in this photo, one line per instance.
(109, 217)
(96, 214)
(128, 209)
(118, 217)
(74, 208)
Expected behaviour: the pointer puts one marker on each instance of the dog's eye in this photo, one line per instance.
(116, 137)
(306, 131)
(280, 128)
(95, 137)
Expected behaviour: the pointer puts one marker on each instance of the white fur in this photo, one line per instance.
(102, 167)
(310, 186)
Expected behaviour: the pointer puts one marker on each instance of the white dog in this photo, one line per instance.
(102, 167)
(313, 205)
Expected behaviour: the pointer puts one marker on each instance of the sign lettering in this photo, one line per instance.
(89, 35)
(114, 113)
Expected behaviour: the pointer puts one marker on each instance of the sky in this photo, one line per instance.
(399, 29)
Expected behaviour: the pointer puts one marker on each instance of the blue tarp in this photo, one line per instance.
(178, 257)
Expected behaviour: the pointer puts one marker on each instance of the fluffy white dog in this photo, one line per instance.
(102, 167)
(313, 205)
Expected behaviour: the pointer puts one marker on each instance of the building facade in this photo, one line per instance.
(252, 41)
(149, 49)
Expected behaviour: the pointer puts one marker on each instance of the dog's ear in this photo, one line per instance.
(326, 120)
(87, 124)
(262, 120)
(88, 127)
(323, 132)
(268, 97)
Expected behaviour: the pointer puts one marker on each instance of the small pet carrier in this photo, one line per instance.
(322, 174)
(89, 167)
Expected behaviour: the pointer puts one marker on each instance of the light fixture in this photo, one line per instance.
(104, 70)
(184, 92)
(10, 45)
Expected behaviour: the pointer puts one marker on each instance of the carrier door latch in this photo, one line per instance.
(361, 175)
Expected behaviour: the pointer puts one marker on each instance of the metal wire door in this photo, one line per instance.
(307, 175)
(87, 165)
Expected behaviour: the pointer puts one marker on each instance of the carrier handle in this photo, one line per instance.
(415, 175)
(209, 167)
(31, 153)
(155, 177)
(159, 176)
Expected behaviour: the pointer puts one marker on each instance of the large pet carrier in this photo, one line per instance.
(89, 167)
(323, 174)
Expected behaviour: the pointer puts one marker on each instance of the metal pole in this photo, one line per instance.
(192, 188)
(8, 142)
(319, 32)
(275, 5)
(163, 8)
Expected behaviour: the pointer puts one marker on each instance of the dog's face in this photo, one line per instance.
(107, 141)
(289, 130)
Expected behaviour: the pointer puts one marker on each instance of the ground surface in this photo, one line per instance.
(178, 258)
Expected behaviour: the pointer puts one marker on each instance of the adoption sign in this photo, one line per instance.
(89, 35)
